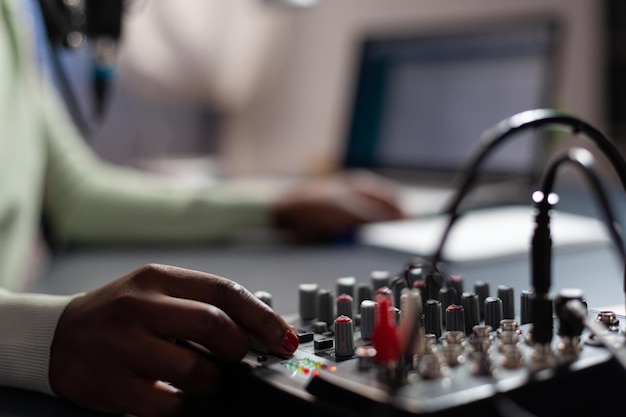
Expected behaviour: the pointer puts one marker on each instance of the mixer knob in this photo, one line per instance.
(456, 282)
(568, 325)
(363, 292)
(414, 275)
(380, 279)
(397, 287)
(344, 337)
(447, 297)
(469, 301)
(308, 301)
(432, 317)
(346, 285)
(421, 286)
(525, 306)
(345, 305)
(507, 295)
(326, 306)
(264, 296)
(493, 312)
(455, 318)
(368, 318)
(481, 289)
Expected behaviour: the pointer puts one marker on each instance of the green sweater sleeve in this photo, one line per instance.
(88, 200)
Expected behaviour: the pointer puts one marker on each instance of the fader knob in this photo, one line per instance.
(493, 312)
(397, 287)
(568, 324)
(326, 306)
(432, 317)
(344, 337)
(506, 294)
(264, 296)
(368, 318)
(308, 300)
(455, 318)
(346, 285)
(525, 306)
(456, 282)
(345, 305)
(421, 286)
(380, 279)
(363, 292)
(481, 289)
(469, 301)
(447, 296)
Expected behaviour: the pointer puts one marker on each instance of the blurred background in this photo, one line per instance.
(251, 87)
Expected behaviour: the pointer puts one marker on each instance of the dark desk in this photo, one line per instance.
(279, 270)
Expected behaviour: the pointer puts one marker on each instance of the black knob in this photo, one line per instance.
(525, 307)
(397, 287)
(569, 325)
(493, 312)
(432, 317)
(469, 301)
(507, 295)
(326, 306)
(455, 318)
(447, 296)
(456, 282)
(481, 289)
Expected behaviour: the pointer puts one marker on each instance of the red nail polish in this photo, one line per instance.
(290, 341)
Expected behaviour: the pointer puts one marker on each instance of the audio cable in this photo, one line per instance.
(541, 244)
(507, 128)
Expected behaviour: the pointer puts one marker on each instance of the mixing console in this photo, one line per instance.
(419, 343)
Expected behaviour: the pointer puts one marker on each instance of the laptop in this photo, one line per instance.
(421, 102)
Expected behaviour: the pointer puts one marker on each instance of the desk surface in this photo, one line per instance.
(279, 270)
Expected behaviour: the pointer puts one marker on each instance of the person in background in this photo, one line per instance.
(116, 349)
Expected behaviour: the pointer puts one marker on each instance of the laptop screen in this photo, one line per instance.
(422, 102)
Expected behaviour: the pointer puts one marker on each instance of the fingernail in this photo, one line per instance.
(290, 341)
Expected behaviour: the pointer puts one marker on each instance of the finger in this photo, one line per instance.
(236, 301)
(378, 189)
(189, 370)
(144, 397)
(206, 324)
(375, 209)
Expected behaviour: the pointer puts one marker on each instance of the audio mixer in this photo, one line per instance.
(419, 343)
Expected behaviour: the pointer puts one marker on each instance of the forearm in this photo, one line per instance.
(91, 201)
(119, 206)
(27, 326)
